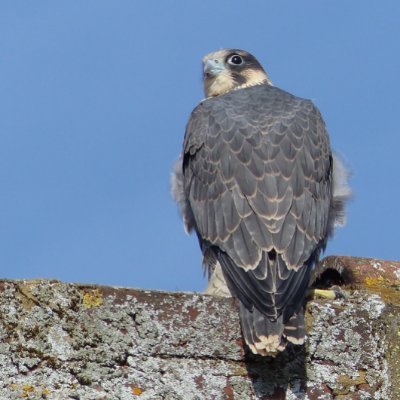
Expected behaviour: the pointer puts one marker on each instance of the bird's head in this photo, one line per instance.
(230, 69)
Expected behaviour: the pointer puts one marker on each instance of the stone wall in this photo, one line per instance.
(69, 341)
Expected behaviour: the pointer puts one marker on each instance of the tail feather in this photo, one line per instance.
(246, 322)
(271, 311)
(295, 330)
(267, 337)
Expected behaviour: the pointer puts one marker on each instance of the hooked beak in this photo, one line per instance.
(213, 67)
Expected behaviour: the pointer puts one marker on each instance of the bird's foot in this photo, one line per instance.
(332, 294)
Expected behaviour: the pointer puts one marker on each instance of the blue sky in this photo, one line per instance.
(94, 98)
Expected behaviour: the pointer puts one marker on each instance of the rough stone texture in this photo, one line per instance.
(67, 341)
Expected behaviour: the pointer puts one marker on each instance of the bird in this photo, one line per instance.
(259, 184)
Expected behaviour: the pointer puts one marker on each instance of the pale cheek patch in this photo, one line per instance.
(256, 76)
(221, 84)
(225, 82)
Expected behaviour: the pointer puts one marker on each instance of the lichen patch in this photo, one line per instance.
(92, 298)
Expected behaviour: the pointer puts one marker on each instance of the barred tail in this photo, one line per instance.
(268, 337)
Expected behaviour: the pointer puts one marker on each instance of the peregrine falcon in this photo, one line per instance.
(259, 185)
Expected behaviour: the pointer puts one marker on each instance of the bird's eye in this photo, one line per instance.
(235, 60)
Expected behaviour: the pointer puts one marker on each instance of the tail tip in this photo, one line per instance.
(272, 345)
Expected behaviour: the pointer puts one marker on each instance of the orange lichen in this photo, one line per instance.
(373, 281)
(137, 391)
(387, 289)
(92, 299)
(27, 390)
(347, 383)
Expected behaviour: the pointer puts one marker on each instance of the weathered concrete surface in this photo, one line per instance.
(67, 341)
